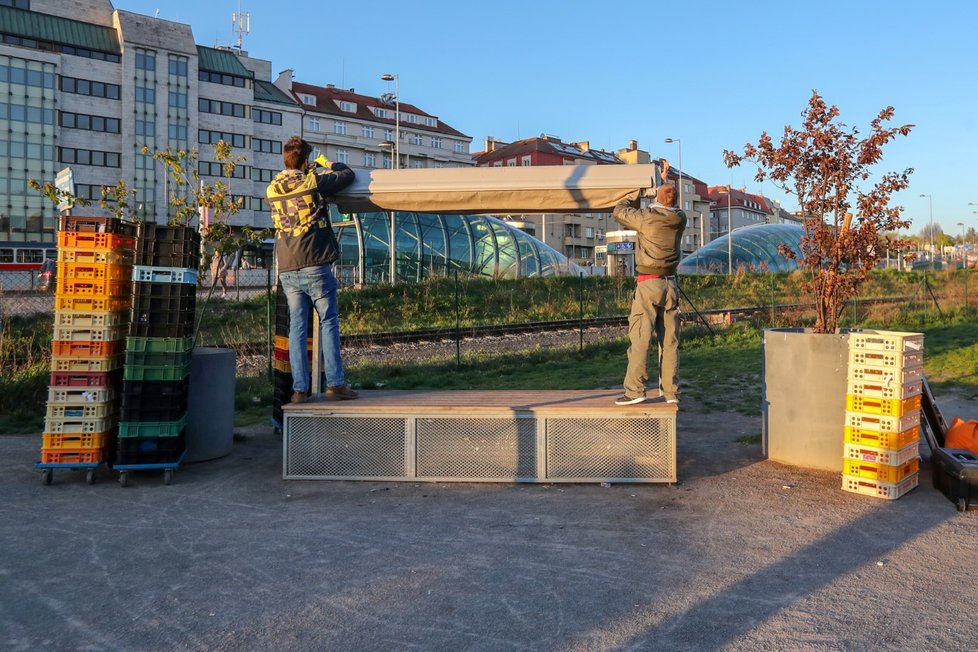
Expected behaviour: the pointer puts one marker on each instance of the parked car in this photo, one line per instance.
(47, 277)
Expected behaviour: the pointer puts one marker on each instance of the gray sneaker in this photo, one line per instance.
(628, 400)
(299, 397)
(340, 393)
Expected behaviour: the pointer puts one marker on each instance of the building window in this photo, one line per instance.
(88, 157)
(90, 88)
(308, 99)
(431, 122)
(314, 124)
(267, 117)
(417, 164)
(219, 78)
(511, 163)
(342, 156)
(387, 162)
(349, 107)
(388, 134)
(339, 128)
(526, 160)
(89, 122)
(231, 109)
(416, 139)
(266, 146)
(145, 60)
(459, 147)
(588, 232)
(177, 66)
(208, 137)
(436, 143)
(368, 132)
(370, 160)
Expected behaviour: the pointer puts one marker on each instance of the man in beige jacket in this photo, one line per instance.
(655, 306)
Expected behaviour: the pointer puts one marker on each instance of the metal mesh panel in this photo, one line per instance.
(472, 448)
(350, 447)
(611, 448)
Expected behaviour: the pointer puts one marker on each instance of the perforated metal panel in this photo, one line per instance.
(344, 447)
(476, 448)
(634, 450)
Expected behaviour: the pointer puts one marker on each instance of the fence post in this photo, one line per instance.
(458, 325)
(269, 314)
(580, 303)
(772, 299)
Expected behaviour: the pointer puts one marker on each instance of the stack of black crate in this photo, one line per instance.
(156, 378)
(282, 370)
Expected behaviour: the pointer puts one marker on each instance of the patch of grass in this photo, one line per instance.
(252, 400)
(749, 439)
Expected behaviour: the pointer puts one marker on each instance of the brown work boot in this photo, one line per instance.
(299, 397)
(340, 393)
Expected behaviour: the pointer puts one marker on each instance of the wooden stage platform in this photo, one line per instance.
(481, 436)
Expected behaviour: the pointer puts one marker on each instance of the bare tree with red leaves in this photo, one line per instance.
(823, 164)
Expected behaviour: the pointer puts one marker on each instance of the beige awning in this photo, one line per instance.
(524, 189)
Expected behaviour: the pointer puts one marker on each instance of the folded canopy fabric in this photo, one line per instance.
(477, 190)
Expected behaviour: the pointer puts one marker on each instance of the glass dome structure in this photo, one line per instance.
(430, 244)
(752, 248)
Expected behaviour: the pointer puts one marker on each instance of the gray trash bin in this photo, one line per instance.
(210, 408)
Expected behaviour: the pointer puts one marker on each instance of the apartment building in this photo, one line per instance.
(732, 208)
(365, 131)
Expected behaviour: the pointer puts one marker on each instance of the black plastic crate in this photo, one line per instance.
(151, 324)
(151, 450)
(170, 408)
(153, 389)
(165, 233)
(159, 290)
(174, 298)
(97, 225)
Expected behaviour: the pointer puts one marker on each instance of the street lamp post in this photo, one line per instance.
(963, 253)
(682, 206)
(729, 229)
(930, 202)
(396, 153)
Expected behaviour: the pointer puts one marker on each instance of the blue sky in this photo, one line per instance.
(713, 74)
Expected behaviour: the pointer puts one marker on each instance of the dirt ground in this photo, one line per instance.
(741, 554)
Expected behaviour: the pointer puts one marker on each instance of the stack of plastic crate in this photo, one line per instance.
(882, 432)
(155, 387)
(95, 256)
(282, 370)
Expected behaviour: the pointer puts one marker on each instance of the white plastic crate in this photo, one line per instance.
(143, 274)
(877, 389)
(882, 455)
(882, 422)
(899, 342)
(884, 376)
(887, 490)
(81, 394)
(886, 359)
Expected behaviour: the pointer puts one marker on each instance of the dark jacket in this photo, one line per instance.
(300, 214)
(660, 232)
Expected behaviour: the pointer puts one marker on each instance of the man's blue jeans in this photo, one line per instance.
(315, 286)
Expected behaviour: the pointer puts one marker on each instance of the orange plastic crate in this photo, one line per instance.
(96, 256)
(283, 366)
(282, 343)
(78, 456)
(90, 349)
(88, 287)
(75, 440)
(87, 240)
(95, 271)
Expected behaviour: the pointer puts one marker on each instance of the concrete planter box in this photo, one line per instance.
(804, 397)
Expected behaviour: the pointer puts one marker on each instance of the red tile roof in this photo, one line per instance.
(327, 101)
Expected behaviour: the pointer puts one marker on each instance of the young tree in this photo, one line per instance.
(822, 164)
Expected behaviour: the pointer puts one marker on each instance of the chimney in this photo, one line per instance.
(330, 85)
(632, 145)
(284, 80)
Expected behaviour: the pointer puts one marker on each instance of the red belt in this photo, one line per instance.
(646, 277)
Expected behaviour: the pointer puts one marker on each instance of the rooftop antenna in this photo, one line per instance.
(240, 23)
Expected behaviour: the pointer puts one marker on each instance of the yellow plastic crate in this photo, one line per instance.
(82, 410)
(893, 407)
(65, 363)
(882, 455)
(882, 422)
(884, 376)
(897, 341)
(880, 390)
(282, 342)
(81, 394)
(283, 366)
(96, 256)
(72, 425)
(880, 472)
(95, 271)
(886, 359)
(877, 489)
(90, 333)
(882, 439)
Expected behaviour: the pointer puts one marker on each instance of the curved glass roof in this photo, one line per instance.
(430, 244)
(752, 248)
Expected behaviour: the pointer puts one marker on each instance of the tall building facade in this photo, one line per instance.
(90, 92)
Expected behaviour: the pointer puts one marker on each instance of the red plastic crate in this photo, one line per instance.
(86, 378)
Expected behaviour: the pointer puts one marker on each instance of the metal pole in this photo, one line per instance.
(458, 326)
(268, 319)
(580, 303)
(729, 229)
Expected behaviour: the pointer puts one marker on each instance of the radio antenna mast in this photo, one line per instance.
(240, 23)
